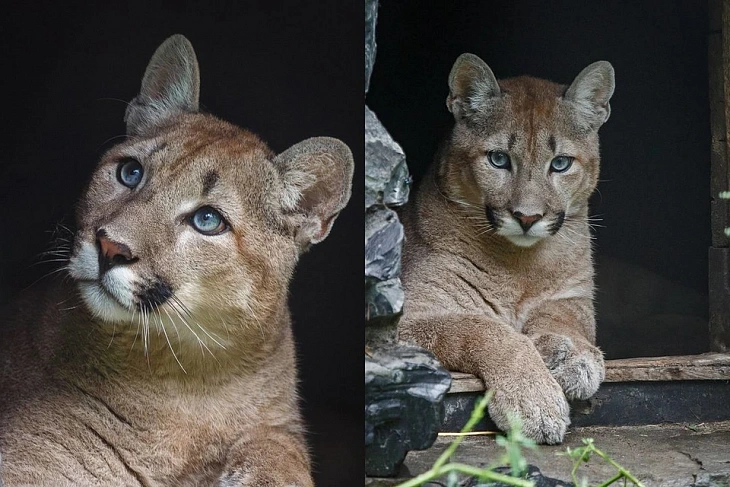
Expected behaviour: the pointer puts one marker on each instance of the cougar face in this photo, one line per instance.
(181, 221)
(525, 150)
(193, 220)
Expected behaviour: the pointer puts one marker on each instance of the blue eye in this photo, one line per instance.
(500, 160)
(561, 164)
(130, 172)
(208, 221)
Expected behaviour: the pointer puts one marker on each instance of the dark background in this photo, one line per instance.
(654, 190)
(285, 70)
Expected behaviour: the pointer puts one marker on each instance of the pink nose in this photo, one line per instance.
(526, 221)
(112, 253)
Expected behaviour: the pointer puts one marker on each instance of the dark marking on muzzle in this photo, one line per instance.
(491, 217)
(155, 294)
(555, 226)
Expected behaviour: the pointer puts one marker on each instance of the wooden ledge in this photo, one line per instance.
(707, 366)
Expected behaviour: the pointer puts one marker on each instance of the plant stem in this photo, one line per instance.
(613, 479)
(621, 469)
(482, 474)
(476, 415)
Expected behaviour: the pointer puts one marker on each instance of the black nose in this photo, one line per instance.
(526, 222)
(112, 253)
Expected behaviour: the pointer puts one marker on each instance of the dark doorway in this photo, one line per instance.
(654, 194)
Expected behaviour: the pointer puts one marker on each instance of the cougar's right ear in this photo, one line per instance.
(471, 84)
(171, 85)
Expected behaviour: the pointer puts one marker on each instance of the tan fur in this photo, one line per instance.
(512, 308)
(201, 390)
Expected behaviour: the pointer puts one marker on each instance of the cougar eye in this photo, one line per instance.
(500, 160)
(130, 172)
(561, 164)
(208, 221)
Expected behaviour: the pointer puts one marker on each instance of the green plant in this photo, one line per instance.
(513, 456)
(582, 454)
(513, 444)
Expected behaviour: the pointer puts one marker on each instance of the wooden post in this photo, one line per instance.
(719, 258)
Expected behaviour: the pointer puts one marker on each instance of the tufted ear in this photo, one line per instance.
(317, 176)
(591, 90)
(471, 84)
(171, 85)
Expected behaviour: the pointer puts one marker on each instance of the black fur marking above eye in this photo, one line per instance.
(552, 144)
(491, 217)
(155, 294)
(555, 226)
(511, 141)
(209, 180)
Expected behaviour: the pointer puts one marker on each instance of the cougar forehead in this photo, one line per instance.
(196, 161)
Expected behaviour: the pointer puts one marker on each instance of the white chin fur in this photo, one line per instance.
(512, 231)
(112, 297)
(102, 304)
(523, 240)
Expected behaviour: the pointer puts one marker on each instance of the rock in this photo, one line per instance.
(371, 18)
(383, 307)
(533, 474)
(383, 290)
(383, 244)
(404, 388)
(387, 181)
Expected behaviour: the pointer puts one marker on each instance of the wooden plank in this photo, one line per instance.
(719, 96)
(719, 81)
(707, 366)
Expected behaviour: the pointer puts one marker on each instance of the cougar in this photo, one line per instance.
(497, 265)
(167, 357)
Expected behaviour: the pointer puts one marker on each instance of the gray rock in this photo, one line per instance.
(383, 308)
(371, 19)
(387, 181)
(404, 388)
(383, 289)
(383, 244)
(383, 299)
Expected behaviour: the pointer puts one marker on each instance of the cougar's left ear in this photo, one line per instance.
(171, 85)
(591, 90)
(317, 177)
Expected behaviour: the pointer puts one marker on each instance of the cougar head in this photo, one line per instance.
(524, 150)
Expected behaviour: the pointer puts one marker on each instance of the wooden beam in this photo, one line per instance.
(719, 256)
(707, 366)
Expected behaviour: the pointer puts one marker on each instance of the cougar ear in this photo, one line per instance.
(591, 90)
(471, 84)
(317, 176)
(171, 85)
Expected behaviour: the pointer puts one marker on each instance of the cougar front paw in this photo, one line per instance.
(578, 368)
(538, 401)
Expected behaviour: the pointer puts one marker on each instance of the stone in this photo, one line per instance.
(533, 474)
(383, 244)
(383, 290)
(383, 308)
(371, 19)
(404, 388)
(387, 181)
